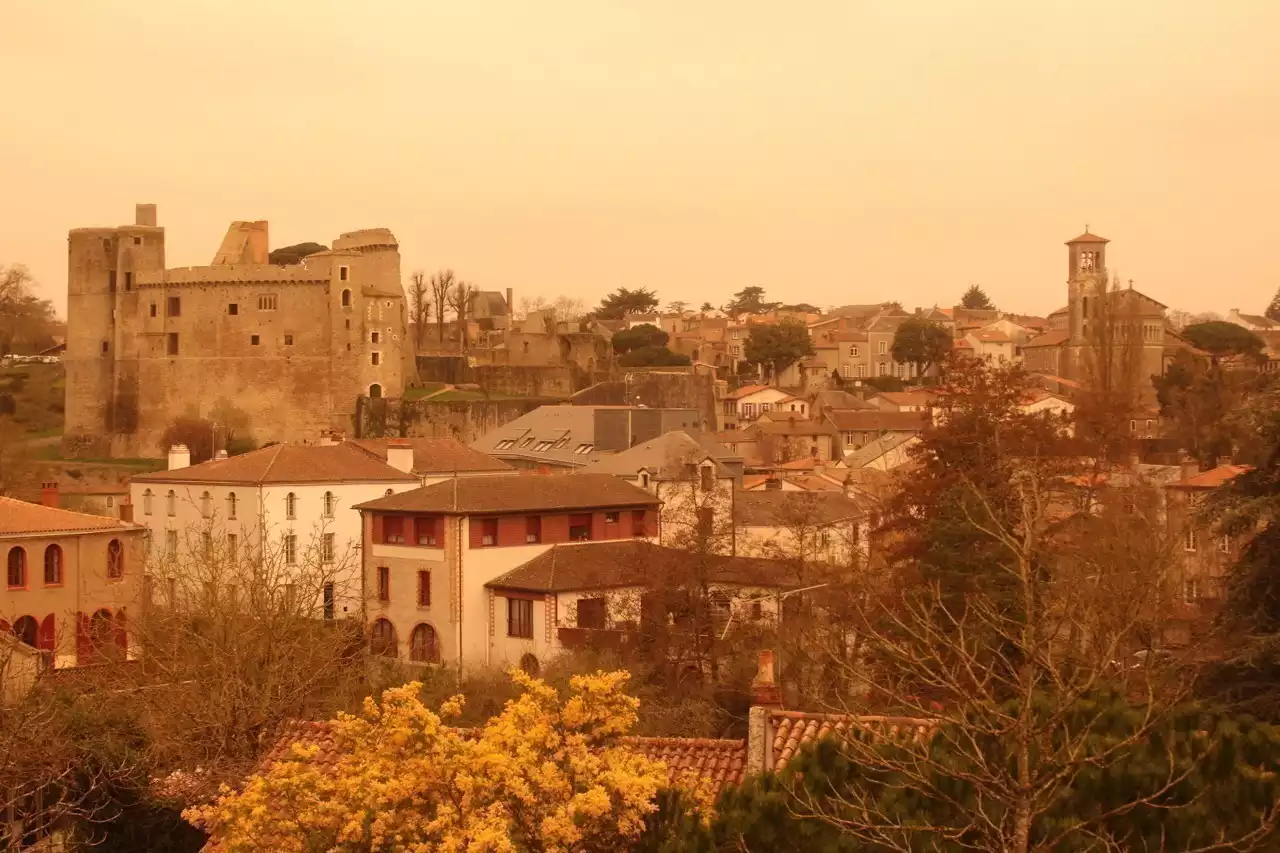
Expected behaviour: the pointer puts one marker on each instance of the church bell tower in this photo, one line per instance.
(1086, 282)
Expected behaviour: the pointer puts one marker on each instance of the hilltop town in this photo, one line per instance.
(237, 499)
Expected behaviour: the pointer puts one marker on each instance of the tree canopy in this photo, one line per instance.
(749, 300)
(1273, 308)
(922, 343)
(976, 298)
(778, 344)
(286, 255)
(1222, 339)
(643, 335)
(547, 774)
(653, 356)
(26, 320)
(624, 301)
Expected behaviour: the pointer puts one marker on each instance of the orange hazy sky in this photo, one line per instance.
(832, 151)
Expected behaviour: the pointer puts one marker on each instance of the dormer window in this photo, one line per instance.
(583, 449)
(644, 479)
(543, 446)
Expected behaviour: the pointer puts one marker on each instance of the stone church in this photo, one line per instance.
(270, 352)
(1103, 323)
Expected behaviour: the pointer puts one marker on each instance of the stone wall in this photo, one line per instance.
(509, 380)
(656, 390)
(463, 420)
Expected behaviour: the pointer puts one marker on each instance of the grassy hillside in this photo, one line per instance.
(32, 394)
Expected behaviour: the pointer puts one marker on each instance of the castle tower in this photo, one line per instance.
(1086, 282)
(101, 296)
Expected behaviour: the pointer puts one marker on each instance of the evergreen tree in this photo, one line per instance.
(778, 345)
(624, 301)
(921, 343)
(976, 298)
(749, 300)
(1273, 309)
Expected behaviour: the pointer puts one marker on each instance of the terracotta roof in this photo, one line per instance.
(991, 336)
(791, 426)
(777, 508)
(1086, 237)
(1048, 339)
(857, 420)
(632, 562)
(750, 481)
(747, 390)
(720, 762)
(21, 518)
(806, 464)
(1063, 310)
(516, 493)
(963, 344)
(665, 457)
(794, 729)
(286, 463)
(814, 483)
(908, 398)
(1213, 478)
(435, 455)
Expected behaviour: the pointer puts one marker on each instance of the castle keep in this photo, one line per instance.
(277, 353)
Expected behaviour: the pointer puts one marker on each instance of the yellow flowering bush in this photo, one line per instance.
(544, 775)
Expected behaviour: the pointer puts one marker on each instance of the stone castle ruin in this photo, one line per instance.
(283, 351)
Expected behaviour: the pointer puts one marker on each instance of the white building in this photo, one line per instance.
(751, 401)
(814, 526)
(288, 500)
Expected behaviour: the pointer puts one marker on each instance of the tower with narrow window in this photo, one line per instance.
(1086, 283)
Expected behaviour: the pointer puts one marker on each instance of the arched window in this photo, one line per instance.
(17, 575)
(291, 505)
(171, 503)
(231, 505)
(206, 505)
(375, 391)
(382, 639)
(27, 630)
(529, 663)
(422, 645)
(146, 502)
(115, 559)
(328, 504)
(346, 299)
(52, 565)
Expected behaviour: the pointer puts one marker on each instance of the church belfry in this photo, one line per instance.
(1086, 282)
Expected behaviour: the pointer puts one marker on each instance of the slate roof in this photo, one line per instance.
(632, 562)
(21, 518)
(791, 426)
(873, 450)
(665, 457)
(864, 420)
(793, 729)
(435, 455)
(516, 493)
(286, 463)
(776, 508)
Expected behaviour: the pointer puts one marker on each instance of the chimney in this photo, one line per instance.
(1189, 467)
(49, 494)
(764, 688)
(126, 511)
(179, 457)
(144, 214)
(400, 454)
(511, 302)
(765, 698)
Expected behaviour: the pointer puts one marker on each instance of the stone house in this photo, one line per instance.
(287, 504)
(73, 583)
(992, 345)
(739, 408)
(859, 427)
(279, 352)
(785, 437)
(1202, 555)
(815, 526)
(429, 553)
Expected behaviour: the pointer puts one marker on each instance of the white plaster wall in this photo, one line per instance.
(506, 650)
(479, 566)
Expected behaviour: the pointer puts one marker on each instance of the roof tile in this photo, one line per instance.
(516, 493)
(23, 518)
(286, 463)
(435, 455)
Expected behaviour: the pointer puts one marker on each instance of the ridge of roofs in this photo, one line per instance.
(516, 493)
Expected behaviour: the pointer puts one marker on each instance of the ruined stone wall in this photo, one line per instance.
(656, 390)
(463, 420)
(506, 379)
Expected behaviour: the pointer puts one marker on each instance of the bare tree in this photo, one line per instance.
(25, 319)
(460, 299)
(419, 306)
(442, 284)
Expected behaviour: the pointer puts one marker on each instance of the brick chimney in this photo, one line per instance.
(765, 699)
(400, 454)
(126, 511)
(764, 687)
(179, 457)
(49, 494)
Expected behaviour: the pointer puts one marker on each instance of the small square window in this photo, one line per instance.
(253, 340)
(137, 241)
(288, 340)
(375, 358)
(373, 338)
(610, 518)
(344, 273)
(233, 309)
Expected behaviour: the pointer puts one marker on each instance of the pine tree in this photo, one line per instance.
(976, 298)
(1273, 310)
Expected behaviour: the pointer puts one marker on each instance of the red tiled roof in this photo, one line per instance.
(19, 518)
(908, 398)
(747, 390)
(286, 463)
(1048, 339)
(851, 420)
(992, 336)
(794, 729)
(1213, 478)
(435, 455)
(516, 493)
